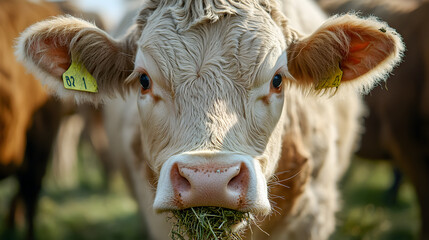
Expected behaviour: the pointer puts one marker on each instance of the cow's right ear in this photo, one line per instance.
(50, 47)
(356, 52)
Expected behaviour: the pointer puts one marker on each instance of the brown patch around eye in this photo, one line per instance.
(276, 84)
(266, 99)
(276, 87)
(144, 91)
(145, 82)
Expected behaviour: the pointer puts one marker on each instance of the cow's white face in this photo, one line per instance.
(211, 98)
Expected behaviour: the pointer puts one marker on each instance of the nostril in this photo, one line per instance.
(179, 181)
(240, 182)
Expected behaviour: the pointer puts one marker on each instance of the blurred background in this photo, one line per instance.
(83, 197)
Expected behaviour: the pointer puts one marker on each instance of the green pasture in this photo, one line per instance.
(367, 213)
(90, 211)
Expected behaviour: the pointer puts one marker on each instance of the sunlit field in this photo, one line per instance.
(89, 210)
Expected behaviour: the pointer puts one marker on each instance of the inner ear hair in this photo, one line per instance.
(363, 51)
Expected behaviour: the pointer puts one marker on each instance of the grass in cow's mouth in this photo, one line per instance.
(207, 223)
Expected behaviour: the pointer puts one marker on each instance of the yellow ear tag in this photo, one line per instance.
(332, 81)
(78, 78)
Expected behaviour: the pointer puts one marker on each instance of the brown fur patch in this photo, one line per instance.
(21, 94)
(293, 174)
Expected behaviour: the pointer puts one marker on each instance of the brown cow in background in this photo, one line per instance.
(398, 124)
(29, 119)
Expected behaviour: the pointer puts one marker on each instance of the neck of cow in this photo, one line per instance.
(288, 183)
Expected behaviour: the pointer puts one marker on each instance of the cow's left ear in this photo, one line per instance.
(74, 59)
(365, 50)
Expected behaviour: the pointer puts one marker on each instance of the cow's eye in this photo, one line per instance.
(145, 81)
(277, 81)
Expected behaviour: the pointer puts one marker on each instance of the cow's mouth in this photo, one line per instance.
(208, 223)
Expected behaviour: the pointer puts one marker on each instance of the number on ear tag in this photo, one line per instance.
(332, 81)
(78, 78)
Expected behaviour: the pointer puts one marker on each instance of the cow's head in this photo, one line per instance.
(210, 82)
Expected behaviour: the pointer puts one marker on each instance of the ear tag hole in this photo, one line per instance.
(78, 78)
(332, 81)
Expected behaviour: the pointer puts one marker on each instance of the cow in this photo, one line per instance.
(397, 126)
(29, 118)
(224, 103)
